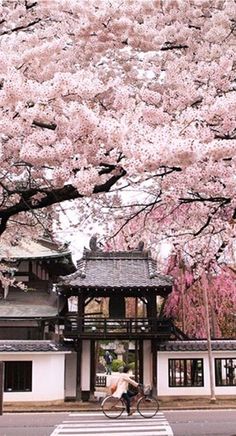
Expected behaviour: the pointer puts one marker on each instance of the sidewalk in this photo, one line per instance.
(165, 404)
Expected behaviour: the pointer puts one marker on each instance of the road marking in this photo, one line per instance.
(99, 425)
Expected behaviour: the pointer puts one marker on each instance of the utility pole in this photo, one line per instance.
(208, 330)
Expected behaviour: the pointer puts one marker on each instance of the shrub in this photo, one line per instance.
(116, 364)
(132, 366)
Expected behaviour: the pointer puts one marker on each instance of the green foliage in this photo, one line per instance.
(116, 364)
(132, 366)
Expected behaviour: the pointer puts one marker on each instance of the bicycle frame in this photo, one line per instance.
(146, 405)
(135, 398)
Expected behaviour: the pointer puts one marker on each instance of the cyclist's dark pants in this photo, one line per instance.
(127, 397)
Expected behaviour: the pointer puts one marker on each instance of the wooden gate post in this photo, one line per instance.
(140, 352)
(93, 361)
(78, 369)
(1, 386)
(154, 367)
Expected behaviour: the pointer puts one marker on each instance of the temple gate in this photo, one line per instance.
(116, 276)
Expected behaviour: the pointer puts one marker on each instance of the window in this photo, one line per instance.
(185, 372)
(18, 376)
(225, 372)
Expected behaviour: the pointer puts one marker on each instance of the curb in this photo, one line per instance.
(98, 409)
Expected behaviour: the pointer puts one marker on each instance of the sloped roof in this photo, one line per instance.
(27, 346)
(33, 249)
(198, 345)
(117, 269)
(20, 304)
(44, 249)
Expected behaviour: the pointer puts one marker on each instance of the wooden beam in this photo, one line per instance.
(140, 351)
(136, 360)
(78, 370)
(151, 306)
(154, 368)
(80, 313)
(1, 386)
(92, 368)
(88, 300)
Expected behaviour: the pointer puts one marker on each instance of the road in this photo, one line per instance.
(167, 423)
(29, 424)
(202, 422)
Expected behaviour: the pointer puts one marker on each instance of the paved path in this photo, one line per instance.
(90, 424)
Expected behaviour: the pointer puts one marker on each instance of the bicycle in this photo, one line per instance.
(146, 405)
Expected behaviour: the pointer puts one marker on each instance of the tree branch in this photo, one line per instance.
(30, 5)
(222, 200)
(51, 196)
(15, 29)
(44, 125)
(171, 46)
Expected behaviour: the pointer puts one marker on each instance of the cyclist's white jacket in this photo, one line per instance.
(122, 385)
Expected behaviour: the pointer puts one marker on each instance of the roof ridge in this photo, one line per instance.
(81, 264)
(152, 268)
(134, 254)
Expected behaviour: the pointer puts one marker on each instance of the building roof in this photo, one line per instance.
(33, 249)
(41, 249)
(117, 269)
(31, 304)
(198, 345)
(10, 346)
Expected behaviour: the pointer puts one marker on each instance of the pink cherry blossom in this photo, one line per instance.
(99, 97)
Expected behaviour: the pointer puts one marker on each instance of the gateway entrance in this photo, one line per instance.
(124, 290)
(111, 357)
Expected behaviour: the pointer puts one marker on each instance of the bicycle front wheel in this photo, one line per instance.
(148, 407)
(112, 407)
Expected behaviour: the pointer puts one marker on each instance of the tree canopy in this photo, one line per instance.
(186, 302)
(98, 95)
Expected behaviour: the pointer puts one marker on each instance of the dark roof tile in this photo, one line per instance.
(10, 346)
(21, 304)
(120, 269)
(198, 345)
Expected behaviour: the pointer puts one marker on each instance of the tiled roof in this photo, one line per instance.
(120, 269)
(198, 345)
(28, 304)
(31, 346)
(33, 249)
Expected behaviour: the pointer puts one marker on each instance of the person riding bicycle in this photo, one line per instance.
(122, 390)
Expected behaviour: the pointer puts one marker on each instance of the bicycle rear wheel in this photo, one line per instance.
(113, 407)
(148, 407)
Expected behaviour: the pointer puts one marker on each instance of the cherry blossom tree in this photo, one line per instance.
(100, 96)
(186, 302)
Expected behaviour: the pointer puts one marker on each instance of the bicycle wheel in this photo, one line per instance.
(148, 407)
(113, 407)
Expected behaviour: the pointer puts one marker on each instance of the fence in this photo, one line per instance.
(101, 381)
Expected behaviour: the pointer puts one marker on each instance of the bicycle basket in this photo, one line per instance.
(147, 390)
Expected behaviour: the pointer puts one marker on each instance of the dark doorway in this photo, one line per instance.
(117, 306)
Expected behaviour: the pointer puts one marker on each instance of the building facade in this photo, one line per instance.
(29, 339)
(49, 347)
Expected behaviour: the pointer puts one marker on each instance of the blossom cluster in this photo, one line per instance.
(147, 86)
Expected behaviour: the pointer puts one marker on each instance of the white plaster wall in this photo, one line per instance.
(163, 376)
(85, 366)
(48, 373)
(70, 375)
(147, 363)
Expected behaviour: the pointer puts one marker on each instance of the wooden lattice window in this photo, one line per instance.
(185, 372)
(225, 372)
(18, 376)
